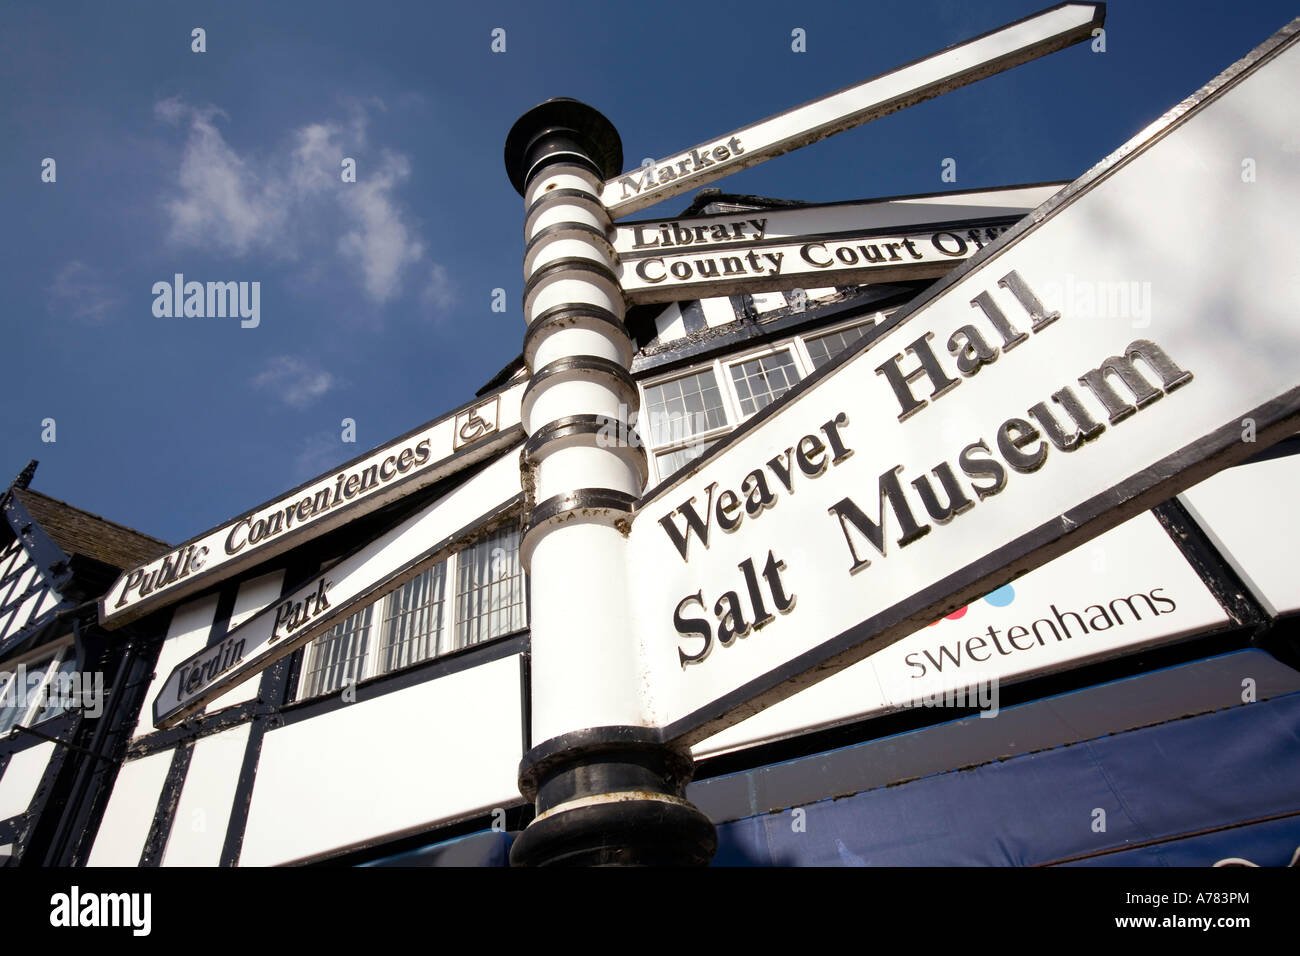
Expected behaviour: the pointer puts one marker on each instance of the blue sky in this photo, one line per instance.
(376, 295)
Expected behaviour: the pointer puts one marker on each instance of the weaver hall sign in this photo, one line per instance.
(1002, 420)
(413, 461)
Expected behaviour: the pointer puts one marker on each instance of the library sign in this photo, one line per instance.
(756, 252)
(413, 461)
(995, 425)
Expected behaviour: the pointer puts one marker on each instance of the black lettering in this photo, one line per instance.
(693, 625)
(901, 382)
(681, 539)
(1015, 434)
(874, 531)
(982, 468)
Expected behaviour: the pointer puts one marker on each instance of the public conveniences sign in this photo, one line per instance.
(1018, 410)
(413, 461)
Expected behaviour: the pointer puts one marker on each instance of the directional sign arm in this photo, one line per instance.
(1034, 36)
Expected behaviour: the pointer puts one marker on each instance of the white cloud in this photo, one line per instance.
(319, 452)
(379, 240)
(291, 203)
(82, 293)
(439, 293)
(296, 382)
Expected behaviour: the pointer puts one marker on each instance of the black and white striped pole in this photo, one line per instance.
(606, 789)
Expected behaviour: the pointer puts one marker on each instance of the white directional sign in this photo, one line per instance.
(408, 463)
(1137, 334)
(760, 251)
(950, 69)
(340, 591)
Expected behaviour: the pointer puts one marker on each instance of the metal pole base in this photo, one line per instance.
(611, 796)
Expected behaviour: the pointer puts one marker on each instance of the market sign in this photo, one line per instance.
(763, 250)
(409, 463)
(957, 66)
(1020, 408)
(299, 617)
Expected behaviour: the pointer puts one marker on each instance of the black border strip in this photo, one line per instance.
(169, 798)
(557, 228)
(583, 498)
(1218, 576)
(586, 363)
(1168, 123)
(557, 267)
(567, 157)
(237, 822)
(1139, 492)
(574, 425)
(558, 196)
(565, 313)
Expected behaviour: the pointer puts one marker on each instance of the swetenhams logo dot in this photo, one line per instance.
(1002, 597)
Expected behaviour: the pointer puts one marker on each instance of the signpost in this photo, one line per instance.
(1011, 414)
(608, 786)
(985, 55)
(340, 591)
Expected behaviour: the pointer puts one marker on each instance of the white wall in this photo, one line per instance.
(1250, 515)
(130, 811)
(203, 813)
(21, 778)
(440, 750)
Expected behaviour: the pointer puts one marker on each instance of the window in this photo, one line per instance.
(422, 620)
(489, 589)
(761, 380)
(682, 418)
(685, 416)
(671, 461)
(825, 347)
(683, 408)
(38, 689)
(415, 622)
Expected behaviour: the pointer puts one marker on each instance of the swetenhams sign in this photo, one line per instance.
(1004, 419)
(411, 462)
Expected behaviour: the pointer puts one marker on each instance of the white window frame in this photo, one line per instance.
(729, 412)
(52, 656)
(796, 345)
(379, 614)
(857, 322)
(801, 365)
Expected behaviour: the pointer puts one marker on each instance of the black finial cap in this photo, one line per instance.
(557, 127)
